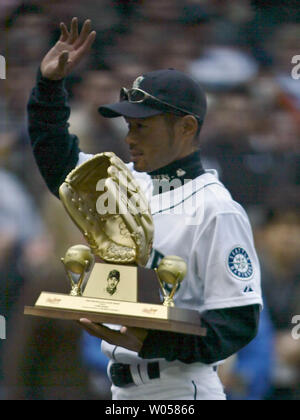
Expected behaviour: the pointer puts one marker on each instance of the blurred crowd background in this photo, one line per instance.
(241, 52)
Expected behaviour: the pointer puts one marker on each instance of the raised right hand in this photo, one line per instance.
(68, 51)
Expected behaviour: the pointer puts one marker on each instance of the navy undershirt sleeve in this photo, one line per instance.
(56, 151)
(228, 331)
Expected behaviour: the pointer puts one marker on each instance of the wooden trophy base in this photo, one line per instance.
(143, 315)
(136, 303)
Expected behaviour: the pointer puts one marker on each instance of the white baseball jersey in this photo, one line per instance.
(201, 223)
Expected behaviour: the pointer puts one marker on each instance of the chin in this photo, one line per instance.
(140, 167)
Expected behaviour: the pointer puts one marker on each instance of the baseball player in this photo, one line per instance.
(196, 219)
(112, 282)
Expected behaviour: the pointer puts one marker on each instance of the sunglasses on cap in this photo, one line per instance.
(139, 96)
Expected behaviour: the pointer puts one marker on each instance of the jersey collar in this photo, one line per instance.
(182, 170)
(169, 198)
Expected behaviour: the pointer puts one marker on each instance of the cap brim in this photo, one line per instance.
(128, 109)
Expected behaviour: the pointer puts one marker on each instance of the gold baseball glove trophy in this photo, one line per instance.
(108, 280)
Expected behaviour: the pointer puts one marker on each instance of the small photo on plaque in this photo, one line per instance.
(111, 281)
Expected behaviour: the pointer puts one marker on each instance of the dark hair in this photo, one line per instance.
(114, 273)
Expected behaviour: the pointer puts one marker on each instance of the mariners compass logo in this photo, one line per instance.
(239, 264)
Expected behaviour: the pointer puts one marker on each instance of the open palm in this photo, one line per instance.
(68, 51)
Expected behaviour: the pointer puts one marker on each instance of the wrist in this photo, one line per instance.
(48, 88)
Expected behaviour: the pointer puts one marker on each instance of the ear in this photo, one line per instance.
(189, 126)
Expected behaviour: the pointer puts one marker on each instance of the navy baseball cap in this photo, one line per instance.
(174, 91)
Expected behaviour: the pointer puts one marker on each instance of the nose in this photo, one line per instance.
(131, 140)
